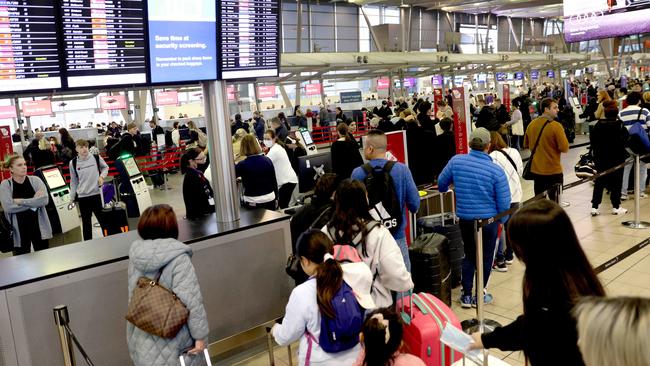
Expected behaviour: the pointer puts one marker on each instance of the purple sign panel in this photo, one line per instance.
(519, 75)
(410, 82)
(436, 80)
(586, 20)
(550, 74)
(501, 76)
(534, 75)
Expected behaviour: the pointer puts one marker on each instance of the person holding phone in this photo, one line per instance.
(23, 200)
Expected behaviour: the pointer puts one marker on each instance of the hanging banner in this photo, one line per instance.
(437, 81)
(110, 102)
(167, 98)
(437, 96)
(6, 147)
(506, 96)
(7, 111)
(462, 126)
(231, 92)
(312, 89)
(383, 84)
(37, 108)
(268, 91)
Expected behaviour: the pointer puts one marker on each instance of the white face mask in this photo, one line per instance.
(268, 143)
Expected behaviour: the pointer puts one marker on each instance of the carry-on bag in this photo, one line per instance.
(445, 223)
(425, 317)
(270, 344)
(430, 265)
(114, 218)
(202, 359)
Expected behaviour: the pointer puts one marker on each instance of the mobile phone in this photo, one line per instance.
(187, 359)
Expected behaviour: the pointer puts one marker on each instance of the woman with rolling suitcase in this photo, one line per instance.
(557, 275)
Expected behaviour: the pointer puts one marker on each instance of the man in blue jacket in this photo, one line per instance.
(482, 192)
(374, 150)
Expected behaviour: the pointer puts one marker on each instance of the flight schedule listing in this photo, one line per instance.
(104, 42)
(29, 58)
(249, 38)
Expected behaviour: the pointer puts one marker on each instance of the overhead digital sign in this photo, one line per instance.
(29, 57)
(595, 19)
(104, 42)
(182, 40)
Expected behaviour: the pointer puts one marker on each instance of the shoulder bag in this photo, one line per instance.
(155, 309)
(527, 174)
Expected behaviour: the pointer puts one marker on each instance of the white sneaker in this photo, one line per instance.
(643, 195)
(619, 211)
(623, 197)
(595, 212)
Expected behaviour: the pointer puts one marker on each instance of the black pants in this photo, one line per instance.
(545, 182)
(613, 182)
(30, 233)
(285, 194)
(271, 205)
(88, 206)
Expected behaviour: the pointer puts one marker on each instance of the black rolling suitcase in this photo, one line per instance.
(114, 220)
(430, 266)
(446, 224)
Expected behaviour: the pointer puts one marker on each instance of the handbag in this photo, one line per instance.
(528, 174)
(155, 309)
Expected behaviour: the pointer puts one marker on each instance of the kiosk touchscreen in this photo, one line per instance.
(308, 141)
(312, 167)
(134, 189)
(62, 217)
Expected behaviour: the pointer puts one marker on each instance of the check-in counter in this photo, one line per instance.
(240, 267)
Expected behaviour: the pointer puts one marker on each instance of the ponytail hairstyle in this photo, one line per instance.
(190, 154)
(314, 245)
(343, 131)
(351, 212)
(382, 337)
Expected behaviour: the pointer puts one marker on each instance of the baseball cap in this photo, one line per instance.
(359, 278)
(481, 134)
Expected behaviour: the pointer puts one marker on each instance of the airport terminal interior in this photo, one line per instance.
(235, 113)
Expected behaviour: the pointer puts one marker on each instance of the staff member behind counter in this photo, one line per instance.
(23, 200)
(197, 192)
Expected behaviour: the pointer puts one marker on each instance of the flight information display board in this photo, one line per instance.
(249, 38)
(104, 42)
(29, 58)
(182, 40)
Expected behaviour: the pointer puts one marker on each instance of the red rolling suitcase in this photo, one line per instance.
(425, 316)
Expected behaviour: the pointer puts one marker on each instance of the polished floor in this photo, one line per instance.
(602, 237)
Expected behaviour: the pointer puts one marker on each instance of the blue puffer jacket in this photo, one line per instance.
(481, 186)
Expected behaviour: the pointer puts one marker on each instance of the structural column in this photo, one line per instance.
(221, 154)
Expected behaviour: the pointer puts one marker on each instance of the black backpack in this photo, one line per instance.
(382, 197)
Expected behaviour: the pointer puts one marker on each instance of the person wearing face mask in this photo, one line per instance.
(197, 192)
(23, 200)
(284, 174)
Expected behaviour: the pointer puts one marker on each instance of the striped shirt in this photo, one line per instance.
(631, 114)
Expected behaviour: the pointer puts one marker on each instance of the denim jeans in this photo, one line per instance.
(505, 251)
(401, 243)
(626, 177)
(469, 261)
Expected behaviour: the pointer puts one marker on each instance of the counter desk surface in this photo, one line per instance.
(23, 269)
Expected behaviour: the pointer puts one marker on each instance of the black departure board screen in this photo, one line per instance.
(29, 58)
(250, 36)
(104, 42)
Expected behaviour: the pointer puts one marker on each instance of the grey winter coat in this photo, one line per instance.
(146, 257)
(39, 203)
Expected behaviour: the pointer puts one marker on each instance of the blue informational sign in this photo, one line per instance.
(182, 40)
(501, 76)
(352, 97)
(511, 76)
(550, 74)
(534, 75)
(519, 75)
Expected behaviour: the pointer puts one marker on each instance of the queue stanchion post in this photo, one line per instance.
(637, 223)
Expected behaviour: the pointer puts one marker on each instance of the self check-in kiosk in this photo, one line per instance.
(133, 187)
(308, 141)
(62, 217)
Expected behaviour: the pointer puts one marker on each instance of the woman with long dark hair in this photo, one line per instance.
(558, 274)
(312, 300)
(345, 153)
(68, 150)
(197, 192)
(352, 224)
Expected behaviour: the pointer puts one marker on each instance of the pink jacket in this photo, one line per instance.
(401, 359)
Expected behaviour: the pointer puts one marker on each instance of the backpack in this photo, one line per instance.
(382, 197)
(340, 333)
(346, 252)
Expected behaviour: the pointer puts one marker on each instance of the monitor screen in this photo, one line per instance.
(312, 167)
(182, 40)
(306, 137)
(104, 42)
(576, 102)
(29, 57)
(131, 166)
(587, 20)
(53, 178)
(250, 38)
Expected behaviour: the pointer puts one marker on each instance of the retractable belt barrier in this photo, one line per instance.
(328, 134)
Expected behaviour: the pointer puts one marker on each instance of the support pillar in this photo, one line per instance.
(215, 104)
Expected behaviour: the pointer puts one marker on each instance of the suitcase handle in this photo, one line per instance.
(406, 317)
